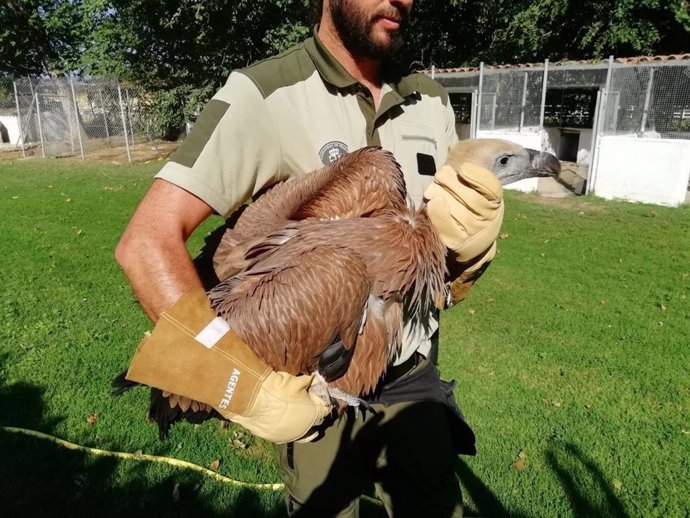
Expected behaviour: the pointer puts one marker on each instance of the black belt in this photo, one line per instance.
(395, 372)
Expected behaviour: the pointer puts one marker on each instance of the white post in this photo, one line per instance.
(524, 103)
(40, 126)
(124, 121)
(607, 89)
(76, 117)
(433, 71)
(481, 93)
(129, 116)
(473, 114)
(647, 99)
(105, 118)
(591, 174)
(19, 118)
(543, 95)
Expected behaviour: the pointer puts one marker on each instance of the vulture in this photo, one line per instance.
(317, 273)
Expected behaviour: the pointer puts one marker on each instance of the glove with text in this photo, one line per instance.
(194, 353)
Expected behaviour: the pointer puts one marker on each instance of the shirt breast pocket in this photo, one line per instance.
(417, 148)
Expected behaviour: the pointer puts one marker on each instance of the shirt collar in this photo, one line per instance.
(334, 73)
(328, 67)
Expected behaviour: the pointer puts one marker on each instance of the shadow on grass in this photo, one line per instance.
(587, 489)
(487, 503)
(39, 478)
(589, 493)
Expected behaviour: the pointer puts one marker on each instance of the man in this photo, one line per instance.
(283, 117)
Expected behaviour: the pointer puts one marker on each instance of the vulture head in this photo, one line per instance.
(510, 162)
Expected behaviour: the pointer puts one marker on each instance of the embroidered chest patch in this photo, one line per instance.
(332, 151)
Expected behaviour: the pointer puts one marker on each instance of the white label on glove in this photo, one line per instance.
(214, 331)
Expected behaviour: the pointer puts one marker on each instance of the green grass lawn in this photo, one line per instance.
(571, 356)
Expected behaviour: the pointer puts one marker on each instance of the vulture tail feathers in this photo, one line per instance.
(166, 410)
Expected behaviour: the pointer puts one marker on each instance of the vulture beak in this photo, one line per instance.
(544, 164)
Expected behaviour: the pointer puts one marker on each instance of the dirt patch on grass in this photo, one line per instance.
(571, 203)
(145, 152)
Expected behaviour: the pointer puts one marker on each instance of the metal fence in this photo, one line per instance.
(648, 101)
(645, 98)
(54, 117)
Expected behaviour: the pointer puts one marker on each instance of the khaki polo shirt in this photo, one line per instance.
(293, 113)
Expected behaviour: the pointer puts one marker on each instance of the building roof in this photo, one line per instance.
(565, 63)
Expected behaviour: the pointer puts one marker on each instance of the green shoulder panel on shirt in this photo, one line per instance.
(204, 126)
(286, 69)
(424, 85)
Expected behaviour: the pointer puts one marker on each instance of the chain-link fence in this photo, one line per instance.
(53, 117)
(648, 101)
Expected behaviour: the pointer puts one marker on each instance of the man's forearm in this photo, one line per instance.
(152, 250)
(159, 273)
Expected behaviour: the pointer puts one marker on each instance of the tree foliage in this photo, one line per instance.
(183, 50)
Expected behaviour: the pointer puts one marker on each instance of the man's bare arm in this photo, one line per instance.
(152, 250)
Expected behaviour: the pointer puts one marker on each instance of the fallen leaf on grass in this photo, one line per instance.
(504, 235)
(588, 407)
(92, 418)
(138, 453)
(661, 306)
(685, 431)
(240, 444)
(471, 311)
(215, 465)
(618, 484)
(521, 463)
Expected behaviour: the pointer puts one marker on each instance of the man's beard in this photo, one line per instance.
(355, 29)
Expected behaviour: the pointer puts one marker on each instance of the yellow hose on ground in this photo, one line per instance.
(152, 458)
(134, 456)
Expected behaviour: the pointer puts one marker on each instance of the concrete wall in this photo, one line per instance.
(552, 142)
(643, 170)
(11, 123)
(528, 139)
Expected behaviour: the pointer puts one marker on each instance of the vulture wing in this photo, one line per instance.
(362, 183)
(300, 297)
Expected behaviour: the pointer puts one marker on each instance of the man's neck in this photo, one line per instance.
(367, 71)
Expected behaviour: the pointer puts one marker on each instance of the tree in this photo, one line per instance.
(514, 31)
(25, 47)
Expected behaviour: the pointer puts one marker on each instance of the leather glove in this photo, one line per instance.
(465, 206)
(193, 353)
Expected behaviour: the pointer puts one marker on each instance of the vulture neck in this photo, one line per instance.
(366, 71)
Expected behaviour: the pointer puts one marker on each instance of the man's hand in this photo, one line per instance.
(193, 353)
(466, 208)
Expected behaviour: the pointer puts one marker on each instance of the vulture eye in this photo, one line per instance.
(503, 160)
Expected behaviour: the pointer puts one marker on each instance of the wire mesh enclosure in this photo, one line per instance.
(645, 98)
(74, 117)
(649, 101)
